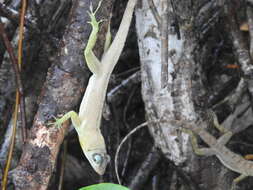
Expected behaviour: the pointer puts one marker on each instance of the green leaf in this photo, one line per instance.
(105, 186)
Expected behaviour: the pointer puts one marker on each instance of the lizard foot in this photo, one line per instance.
(93, 21)
(57, 123)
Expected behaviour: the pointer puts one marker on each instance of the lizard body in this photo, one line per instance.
(217, 147)
(87, 121)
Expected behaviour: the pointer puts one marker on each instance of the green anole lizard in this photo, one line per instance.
(87, 121)
(217, 147)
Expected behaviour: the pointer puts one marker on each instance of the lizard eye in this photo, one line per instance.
(97, 158)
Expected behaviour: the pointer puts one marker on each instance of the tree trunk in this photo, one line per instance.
(185, 97)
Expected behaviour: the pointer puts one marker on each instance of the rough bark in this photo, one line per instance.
(67, 72)
(175, 101)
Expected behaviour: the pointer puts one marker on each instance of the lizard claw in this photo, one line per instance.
(57, 122)
(92, 15)
(91, 8)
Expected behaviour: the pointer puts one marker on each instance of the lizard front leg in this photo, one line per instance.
(237, 180)
(75, 119)
(226, 133)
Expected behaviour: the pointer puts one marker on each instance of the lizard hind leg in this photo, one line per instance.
(194, 142)
(215, 122)
(108, 36)
(92, 61)
(224, 138)
(226, 133)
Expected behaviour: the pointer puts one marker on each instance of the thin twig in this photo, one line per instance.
(20, 53)
(10, 152)
(162, 22)
(154, 12)
(176, 23)
(13, 58)
(14, 16)
(250, 23)
(121, 144)
(132, 70)
(124, 86)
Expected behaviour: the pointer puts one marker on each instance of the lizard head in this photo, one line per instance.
(93, 146)
(98, 160)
